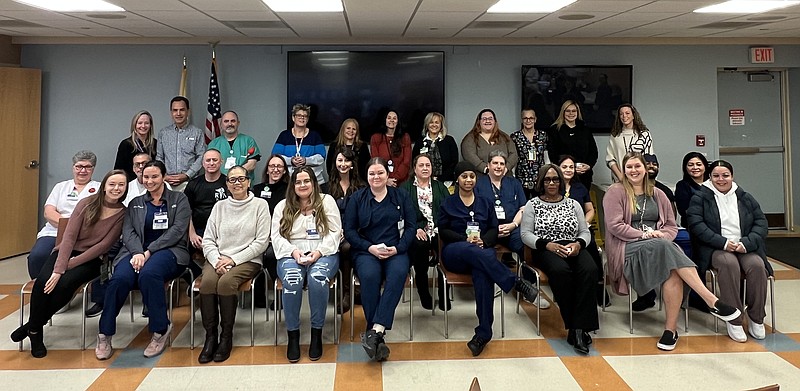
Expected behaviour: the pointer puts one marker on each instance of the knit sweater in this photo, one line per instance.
(92, 241)
(238, 229)
(617, 213)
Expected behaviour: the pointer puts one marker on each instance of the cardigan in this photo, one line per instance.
(174, 238)
(705, 226)
(617, 214)
(448, 152)
(238, 229)
(439, 194)
(401, 164)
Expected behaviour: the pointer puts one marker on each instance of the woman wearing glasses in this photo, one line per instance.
(60, 203)
(301, 146)
(236, 235)
(568, 136)
(485, 137)
(555, 228)
(531, 146)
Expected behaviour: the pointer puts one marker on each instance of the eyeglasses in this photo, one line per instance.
(300, 116)
(552, 180)
(83, 168)
(240, 179)
(528, 119)
(275, 167)
(487, 119)
(139, 164)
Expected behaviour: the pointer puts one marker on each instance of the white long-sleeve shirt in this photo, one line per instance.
(327, 244)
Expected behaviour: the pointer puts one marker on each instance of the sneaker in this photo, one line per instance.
(369, 341)
(757, 330)
(528, 290)
(736, 332)
(382, 350)
(724, 311)
(668, 340)
(157, 344)
(94, 310)
(103, 351)
(476, 345)
(545, 304)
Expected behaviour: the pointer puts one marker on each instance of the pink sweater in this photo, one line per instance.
(619, 232)
(93, 241)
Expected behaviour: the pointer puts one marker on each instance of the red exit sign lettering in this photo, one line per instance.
(762, 55)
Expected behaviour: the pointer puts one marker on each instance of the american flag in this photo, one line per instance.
(214, 112)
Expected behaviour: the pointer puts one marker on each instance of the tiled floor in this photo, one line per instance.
(521, 361)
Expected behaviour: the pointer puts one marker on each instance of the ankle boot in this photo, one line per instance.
(425, 298)
(315, 348)
(38, 350)
(209, 312)
(20, 333)
(227, 312)
(293, 347)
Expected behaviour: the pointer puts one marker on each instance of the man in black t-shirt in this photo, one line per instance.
(203, 192)
(652, 173)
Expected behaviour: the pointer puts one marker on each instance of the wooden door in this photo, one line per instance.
(20, 108)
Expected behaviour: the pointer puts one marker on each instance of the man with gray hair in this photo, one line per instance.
(180, 146)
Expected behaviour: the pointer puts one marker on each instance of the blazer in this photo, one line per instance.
(174, 238)
(705, 226)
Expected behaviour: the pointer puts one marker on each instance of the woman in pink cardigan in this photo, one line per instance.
(640, 227)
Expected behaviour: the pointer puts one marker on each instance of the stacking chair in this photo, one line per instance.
(409, 281)
(337, 298)
(247, 285)
(170, 285)
(770, 282)
(27, 289)
(455, 279)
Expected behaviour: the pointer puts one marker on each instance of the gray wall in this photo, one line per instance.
(90, 92)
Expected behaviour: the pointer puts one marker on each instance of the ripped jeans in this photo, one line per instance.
(293, 277)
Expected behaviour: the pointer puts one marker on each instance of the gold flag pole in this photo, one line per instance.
(184, 72)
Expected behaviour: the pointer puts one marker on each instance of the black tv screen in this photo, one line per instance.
(598, 89)
(365, 86)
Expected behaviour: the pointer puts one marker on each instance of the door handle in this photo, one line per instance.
(33, 164)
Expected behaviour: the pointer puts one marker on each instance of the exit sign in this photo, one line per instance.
(762, 55)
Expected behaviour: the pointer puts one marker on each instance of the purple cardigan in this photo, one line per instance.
(619, 231)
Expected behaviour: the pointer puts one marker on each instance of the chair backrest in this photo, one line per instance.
(475, 386)
(62, 226)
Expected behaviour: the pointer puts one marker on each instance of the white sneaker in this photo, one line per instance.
(756, 329)
(103, 350)
(545, 303)
(736, 332)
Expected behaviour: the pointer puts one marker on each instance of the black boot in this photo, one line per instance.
(425, 298)
(227, 312)
(315, 349)
(38, 350)
(293, 347)
(20, 333)
(209, 311)
(580, 345)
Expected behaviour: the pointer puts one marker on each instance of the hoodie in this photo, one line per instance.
(728, 206)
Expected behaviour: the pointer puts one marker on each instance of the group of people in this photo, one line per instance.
(375, 210)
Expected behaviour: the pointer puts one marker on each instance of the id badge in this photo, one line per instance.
(473, 230)
(391, 166)
(311, 231)
(160, 220)
(401, 225)
(230, 162)
(531, 155)
(423, 150)
(501, 213)
(266, 194)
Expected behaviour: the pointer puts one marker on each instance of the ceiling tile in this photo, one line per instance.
(483, 33)
(227, 5)
(442, 19)
(602, 5)
(237, 15)
(455, 5)
(268, 33)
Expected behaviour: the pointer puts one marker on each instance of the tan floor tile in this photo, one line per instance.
(358, 376)
(497, 348)
(56, 359)
(792, 357)
(594, 373)
(119, 379)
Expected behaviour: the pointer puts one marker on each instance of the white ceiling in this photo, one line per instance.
(393, 21)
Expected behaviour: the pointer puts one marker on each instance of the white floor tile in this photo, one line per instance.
(73, 379)
(317, 376)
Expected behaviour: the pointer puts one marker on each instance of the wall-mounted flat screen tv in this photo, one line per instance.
(365, 86)
(598, 89)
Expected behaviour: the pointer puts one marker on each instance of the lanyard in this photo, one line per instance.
(298, 145)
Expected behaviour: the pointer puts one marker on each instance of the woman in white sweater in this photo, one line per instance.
(306, 230)
(629, 134)
(236, 235)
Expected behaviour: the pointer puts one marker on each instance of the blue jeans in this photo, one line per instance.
(379, 307)
(39, 253)
(160, 268)
(486, 271)
(293, 277)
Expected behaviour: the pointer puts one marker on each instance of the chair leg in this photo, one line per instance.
(715, 289)
(411, 277)
(130, 302)
(253, 312)
(84, 306)
(352, 300)
(771, 280)
(630, 307)
(446, 287)
(276, 304)
(192, 317)
(21, 312)
(538, 303)
(502, 316)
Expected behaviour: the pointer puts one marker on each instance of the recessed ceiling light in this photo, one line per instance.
(747, 6)
(73, 5)
(304, 5)
(528, 6)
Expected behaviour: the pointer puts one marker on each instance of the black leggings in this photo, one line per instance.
(43, 305)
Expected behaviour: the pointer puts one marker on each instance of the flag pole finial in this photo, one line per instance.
(184, 61)
(213, 49)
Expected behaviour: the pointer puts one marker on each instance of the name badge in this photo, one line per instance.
(311, 230)
(473, 230)
(230, 162)
(423, 150)
(501, 213)
(401, 224)
(160, 220)
(266, 194)
(391, 166)
(531, 155)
